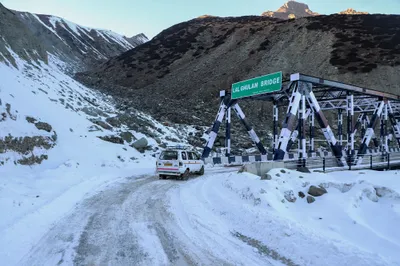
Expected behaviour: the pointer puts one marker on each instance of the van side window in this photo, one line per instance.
(184, 155)
(196, 156)
(190, 155)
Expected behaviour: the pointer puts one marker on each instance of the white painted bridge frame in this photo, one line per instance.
(307, 97)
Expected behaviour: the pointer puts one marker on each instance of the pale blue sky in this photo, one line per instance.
(130, 17)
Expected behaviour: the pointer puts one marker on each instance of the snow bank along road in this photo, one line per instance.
(222, 218)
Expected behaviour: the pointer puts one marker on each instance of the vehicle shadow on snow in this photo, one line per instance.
(178, 179)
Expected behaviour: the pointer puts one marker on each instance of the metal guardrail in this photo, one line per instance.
(375, 161)
(325, 164)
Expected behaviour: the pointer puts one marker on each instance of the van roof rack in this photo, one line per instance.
(179, 147)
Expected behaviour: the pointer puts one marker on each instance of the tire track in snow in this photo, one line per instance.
(127, 224)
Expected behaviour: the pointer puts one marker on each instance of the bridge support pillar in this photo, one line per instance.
(369, 132)
(340, 127)
(350, 128)
(358, 124)
(326, 129)
(364, 125)
(302, 140)
(312, 132)
(217, 123)
(288, 124)
(295, 134)
(249, 129)
(382, 131)
(395, 123)
(228, 132)
(275, 112)
(385, 129)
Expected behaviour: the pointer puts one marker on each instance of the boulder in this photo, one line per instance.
(43, 126)
(310, 199)
(102, 124)
(92, 111)
(30, 119)
(140, 143)
(94, 128)
(266, 177)
(316, 191)
(112, 139)
(301, 194)
(303, 169)
(127, 136)
(114, 121)
(289, 196)
(32, 160)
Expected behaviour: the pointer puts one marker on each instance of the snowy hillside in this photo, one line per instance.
(58, 136)
(33, 36)
(80, 33)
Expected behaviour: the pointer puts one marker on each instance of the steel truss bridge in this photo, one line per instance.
(306, 98)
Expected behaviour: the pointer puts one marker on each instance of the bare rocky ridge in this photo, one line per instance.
(177, 75)
(291, 9)
(32, 36)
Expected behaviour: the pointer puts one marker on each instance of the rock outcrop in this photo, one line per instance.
(351, 11)
(290, 10)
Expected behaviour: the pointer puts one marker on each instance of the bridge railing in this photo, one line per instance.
(324, 164)
(371, 161)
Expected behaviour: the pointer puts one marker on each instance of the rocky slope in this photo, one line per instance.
(32, 36)
(177, 75)
(291, 9)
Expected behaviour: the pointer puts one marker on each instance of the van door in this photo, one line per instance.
(199, 162)
(195, 167)
(184, 159)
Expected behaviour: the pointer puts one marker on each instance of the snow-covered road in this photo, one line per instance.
(131, 223)
(227, 218)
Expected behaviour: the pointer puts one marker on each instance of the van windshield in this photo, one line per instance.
(169, 155)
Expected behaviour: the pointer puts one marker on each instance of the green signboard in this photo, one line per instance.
(260, 85)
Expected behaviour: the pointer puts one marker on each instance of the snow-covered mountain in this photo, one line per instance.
(80, 47)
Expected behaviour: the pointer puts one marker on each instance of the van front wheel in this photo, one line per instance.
(185, 175)
(201, 172)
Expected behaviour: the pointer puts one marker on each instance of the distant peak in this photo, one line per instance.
(137, 39)
(351, 11)
(205, 16)
(292, 5)
(291, 9)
